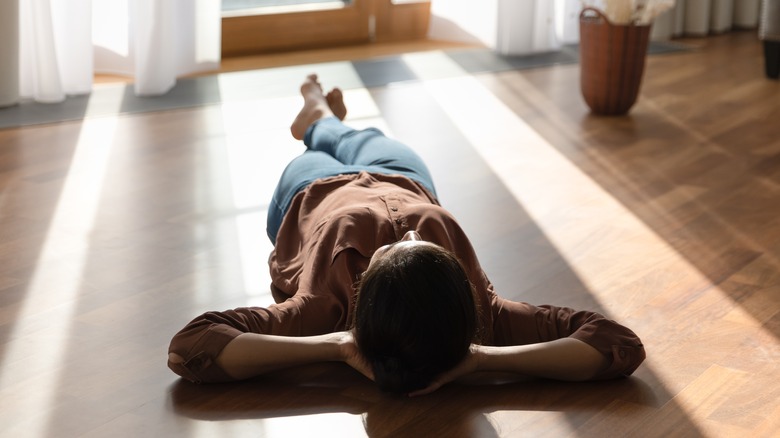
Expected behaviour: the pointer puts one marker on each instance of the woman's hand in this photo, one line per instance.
(351, 355)
(468, 365)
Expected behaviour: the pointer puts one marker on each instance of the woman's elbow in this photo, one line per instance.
(199, 368)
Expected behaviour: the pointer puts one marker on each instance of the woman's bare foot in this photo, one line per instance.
(315, 106)
(336, 103)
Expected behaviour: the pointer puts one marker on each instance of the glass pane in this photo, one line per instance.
(238, 5)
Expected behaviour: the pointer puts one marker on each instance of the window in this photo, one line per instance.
(257, 26)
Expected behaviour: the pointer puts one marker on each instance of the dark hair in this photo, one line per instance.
(415, 316)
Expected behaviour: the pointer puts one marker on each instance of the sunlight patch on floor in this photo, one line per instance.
(39, 339)
(554, 192)
(336, 425)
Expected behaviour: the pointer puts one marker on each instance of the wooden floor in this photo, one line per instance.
(116, 231)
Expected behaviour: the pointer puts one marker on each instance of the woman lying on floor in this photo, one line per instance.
(369, 269)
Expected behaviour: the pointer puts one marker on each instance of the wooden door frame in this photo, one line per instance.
(350, 24)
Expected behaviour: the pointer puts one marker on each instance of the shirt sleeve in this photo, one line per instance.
(518, 323)
(201, 341)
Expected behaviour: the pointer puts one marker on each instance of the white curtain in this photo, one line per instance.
(705, 17)
(63, 43)
(511, 27)
(517, 27)
(9, 52)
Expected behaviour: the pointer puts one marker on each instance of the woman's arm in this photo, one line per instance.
(562, 359)
(251, 354)
(194, 351)
(518, 323)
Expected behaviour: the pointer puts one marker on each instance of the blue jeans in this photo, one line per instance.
(335, 149)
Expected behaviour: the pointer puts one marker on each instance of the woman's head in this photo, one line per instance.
(416, 314)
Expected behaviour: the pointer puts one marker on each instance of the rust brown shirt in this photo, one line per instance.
(326, 241)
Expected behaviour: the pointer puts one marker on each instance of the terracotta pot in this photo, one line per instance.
(612, 62)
